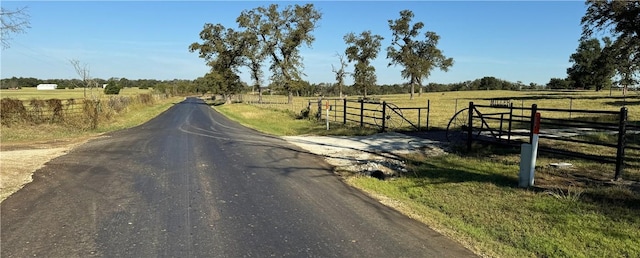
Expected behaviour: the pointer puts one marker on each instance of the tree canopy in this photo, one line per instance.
(418, 57)
(361, 49)
(281, 33)
(593, 66)
(622, 20)
(224, 50)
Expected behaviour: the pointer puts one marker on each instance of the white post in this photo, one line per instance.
(524, 179)
(528, 156)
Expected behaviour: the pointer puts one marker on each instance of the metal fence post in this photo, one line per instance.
(428, 112)
(510, 123)
(384, 115)
(534, 110)
(335, 110)
(470, 126)
(361, 113)
(344, 111)
(622, 131)
(570, 106)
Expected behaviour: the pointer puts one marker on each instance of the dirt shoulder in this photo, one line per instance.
(18, 161)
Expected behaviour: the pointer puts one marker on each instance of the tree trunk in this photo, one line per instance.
(412, 90)
(290, 99)
(259, 94)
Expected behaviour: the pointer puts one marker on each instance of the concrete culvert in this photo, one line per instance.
(378, 174)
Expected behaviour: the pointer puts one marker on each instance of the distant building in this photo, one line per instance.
(47, 86)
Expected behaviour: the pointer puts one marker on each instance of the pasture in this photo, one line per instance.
(77, 93)
(473, 196)
(444, 105)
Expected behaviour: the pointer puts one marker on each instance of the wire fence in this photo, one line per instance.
(84, 113)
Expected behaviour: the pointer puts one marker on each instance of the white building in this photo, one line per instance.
(47, 86)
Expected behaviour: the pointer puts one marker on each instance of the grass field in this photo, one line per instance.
(473, 197)
(76, 125)
(77, 93)
(445, 104)
(470, 197)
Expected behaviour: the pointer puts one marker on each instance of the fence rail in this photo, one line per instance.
(372, 113)
(599, 135)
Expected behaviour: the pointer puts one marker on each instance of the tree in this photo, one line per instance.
(281, 33)
(622, 20)
(340, 72)
(82, 69)
(112, 88)
(13, 21)
(255, 55)
(587, 71)
(625, 67)
(362, 49)
(418, 57)
(223, 49)
(558, 83)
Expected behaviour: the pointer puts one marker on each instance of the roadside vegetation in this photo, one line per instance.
(473, 196)
(74, 119)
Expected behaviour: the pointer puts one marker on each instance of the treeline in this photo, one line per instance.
(26, 82)
(485, 83)
(305, 89)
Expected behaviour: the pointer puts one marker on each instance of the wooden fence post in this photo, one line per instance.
(319, 114)
(622, 131)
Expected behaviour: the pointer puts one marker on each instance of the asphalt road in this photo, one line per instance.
(191, 183)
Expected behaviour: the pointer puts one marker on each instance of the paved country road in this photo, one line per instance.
(191, 183)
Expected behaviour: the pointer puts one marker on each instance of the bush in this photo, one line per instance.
(112, 88)
(304, 113)
(145, 99)
(13, 111)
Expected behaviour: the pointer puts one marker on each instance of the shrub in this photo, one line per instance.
(13, 111)
(37, 110)
(145, 99)
(112, 88)
(56, 108)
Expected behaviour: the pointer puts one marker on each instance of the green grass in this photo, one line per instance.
(474, 199)
(445, 104)
(287, 122)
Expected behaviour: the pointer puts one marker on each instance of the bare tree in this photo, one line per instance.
(13, 21)
(83, 71)
(340, 72)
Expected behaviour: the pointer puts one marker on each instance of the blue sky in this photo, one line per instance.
(511, 40)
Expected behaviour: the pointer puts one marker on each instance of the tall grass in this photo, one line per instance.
(52, 119)
(77, 93)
